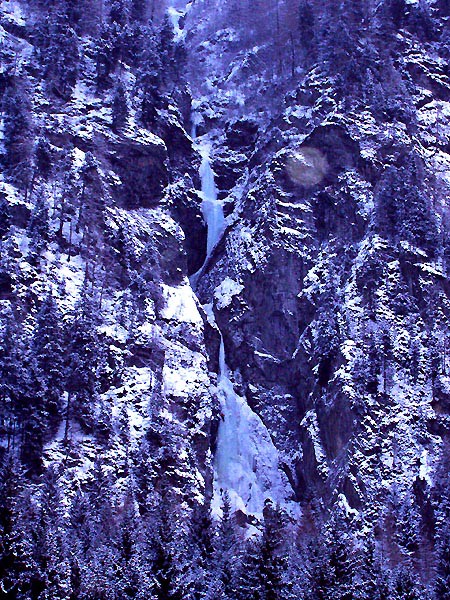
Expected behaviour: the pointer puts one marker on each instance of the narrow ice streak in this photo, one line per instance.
(196, 119)
(211, 206)
(176, 14)
(246, 461)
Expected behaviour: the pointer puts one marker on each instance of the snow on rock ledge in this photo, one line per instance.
(181, 305)
(225, 291)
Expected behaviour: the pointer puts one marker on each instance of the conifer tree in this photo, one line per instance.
(119, 107)
(247, 583)
(139, 10)
(225, 546)
(83, 361)
(5, 218)
(17, 135)
(442, 581)
(149, 80)
(104, 59)
(273, 552)
(52, 568)
(38, 228)
(48, 352)
(10, 370)
(59, 53)
(43, 157)
(15, 557)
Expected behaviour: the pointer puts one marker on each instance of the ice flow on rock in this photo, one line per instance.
(211, 206)
(246, 461)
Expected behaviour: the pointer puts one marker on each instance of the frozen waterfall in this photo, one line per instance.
(212, 207)
(246, 461)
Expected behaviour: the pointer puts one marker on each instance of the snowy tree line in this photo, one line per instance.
(102, 546)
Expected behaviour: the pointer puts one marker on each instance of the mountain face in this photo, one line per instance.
(224, 299)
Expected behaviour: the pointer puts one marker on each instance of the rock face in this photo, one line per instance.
(318, 282)
(224, 286)
(143, 171)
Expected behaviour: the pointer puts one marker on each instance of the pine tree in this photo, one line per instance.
(396, 11)
(134, 578)
(166, 547)
(83, 360)
(149, 80)
(139, 10)
(406, 587)
(52, 567)
(104, 60)
(333, 573)
(5, 218)
(408, 523)
(70, 194)
(15, 559)
(119, 107)
(166, 49)
(43, 157)
(38, 228)
(273, 557)
(307, 30)
(17, 135)
(10, 369)
(81, 526)
(48, 352)
(422, 22)
(32, 413)
(225, 546)
(442, 581)
(247, 584)
(403, 211)
(59, 53)
(119, 12)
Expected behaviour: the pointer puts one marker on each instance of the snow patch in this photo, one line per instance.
(225, 292)
(181, 305)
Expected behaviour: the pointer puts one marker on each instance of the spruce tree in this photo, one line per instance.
(52, 567)
(149, 80)
(104, 60)
(119, 12)
(139, 10)
(83, 359)
(15, 557)
(59, 53)
(442, 581)
(17, 135)
(38, 228)
(166, 49)
(225, 546)
(340, 559)
(48, 352)
(5, 218)
(10, 370)
(273, 554)
(119, 107)
(247, 583)
(43, 157)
